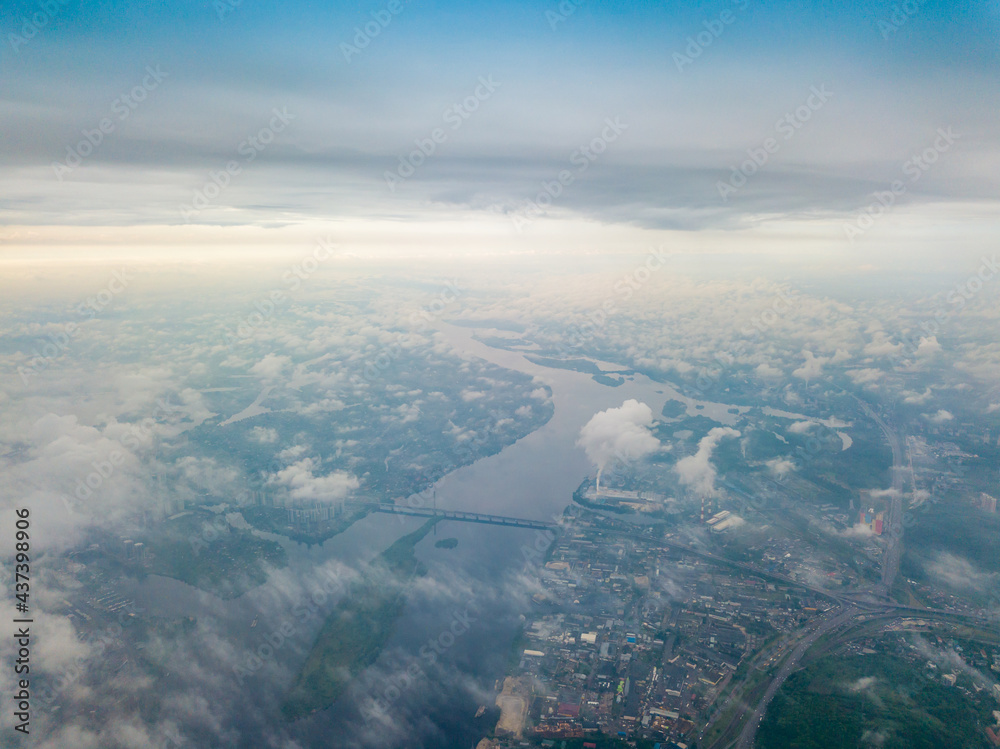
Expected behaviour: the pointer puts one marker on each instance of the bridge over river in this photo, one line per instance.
(465, 517)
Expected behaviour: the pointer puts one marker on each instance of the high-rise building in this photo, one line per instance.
(874, 520)
(307, 517)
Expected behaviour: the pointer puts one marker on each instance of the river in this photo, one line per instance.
(480, 583)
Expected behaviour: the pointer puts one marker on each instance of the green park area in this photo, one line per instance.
(870, 700)
(201, 551)
(358, 628)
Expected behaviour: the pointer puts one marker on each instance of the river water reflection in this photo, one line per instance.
(482, 577)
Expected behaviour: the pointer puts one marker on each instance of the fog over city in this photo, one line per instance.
(443, 375)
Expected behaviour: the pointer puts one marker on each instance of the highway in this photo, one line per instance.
(894, 519)
(737, 695)
(843, 598)
(857, 607)
(890, 568)
(829, 622)
(848, 620)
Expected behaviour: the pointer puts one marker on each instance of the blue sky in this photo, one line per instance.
(694, 108)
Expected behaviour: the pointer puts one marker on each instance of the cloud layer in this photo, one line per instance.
(621, 433)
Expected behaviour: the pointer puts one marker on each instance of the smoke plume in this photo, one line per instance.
(697, 471)
(621, 433)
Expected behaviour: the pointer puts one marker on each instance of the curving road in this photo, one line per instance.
(833, 620)
(890, 568)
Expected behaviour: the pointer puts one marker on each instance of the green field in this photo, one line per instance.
(227, 564)
(356, 631)
(826, 706)
(957, 528)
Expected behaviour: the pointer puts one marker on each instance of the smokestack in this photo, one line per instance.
(619, 434)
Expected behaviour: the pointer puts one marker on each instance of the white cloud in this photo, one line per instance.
(801, 427)
(812, 367)
(271, 367)
(409, 412)
(857, 531)
(958, 572)
(912, 397)
(865, 376)
(326, 405)
(207, 475)
(302, 483)
(290, 453)
(697, 471)
(780, 467)
(767, 372)
(621, 433)
(865, 682)
(263, 435)
(928, 347)
(882, 346)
